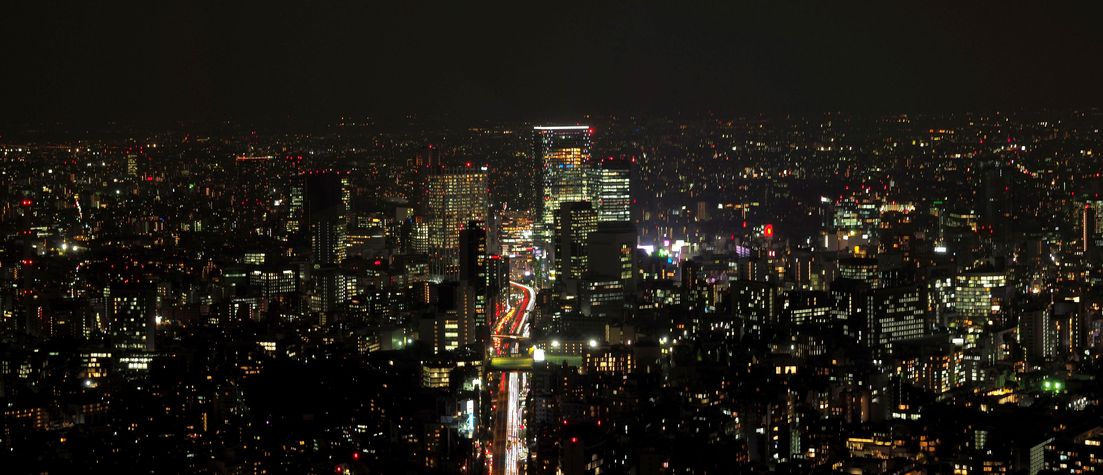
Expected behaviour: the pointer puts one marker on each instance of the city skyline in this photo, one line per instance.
(551, 239)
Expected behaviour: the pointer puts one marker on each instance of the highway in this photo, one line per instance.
(508, 452)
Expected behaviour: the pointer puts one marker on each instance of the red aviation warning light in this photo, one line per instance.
(768, 231)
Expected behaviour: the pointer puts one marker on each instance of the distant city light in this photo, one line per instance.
(562, 127)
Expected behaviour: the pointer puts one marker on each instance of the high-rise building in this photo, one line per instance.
(253, 180)
(455, 197)
(275, 279)
(330, 289)
(1091, 224)
(754, 304)
(610, 280)
(573, 225)
(451, 325)
(850, 298)
(895, 315)
(563, 153)
(995, 197)
(864, 269)
(806, 307)
(131, 316)
(602, 298)
(612, 252)
(326, 211)
(978, 296)
(296, 210)
(614, 199)
(474, 277)
(1038, 335)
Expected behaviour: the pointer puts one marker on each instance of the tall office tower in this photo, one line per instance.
(563, 153)
(455, 197)
(754, 304)
(614, 186)
(849, 298)
(773, 426)
(330, 289)
(473, 253)
(895, 315)
(275, 279)
(1070, 329)
(326, 212)
(610, 282)
(612, 252)
(573, 224)
(413, 235)
(296, 211)
(69, 318)
(978, 296)
(131, 316)
(864, 269)
(474, 277)
(252, 180)
(995, 195)
(1038, 335)
(806, 307)
(131, 165)
(1091, 224)
(1087, 227)
(449, 327)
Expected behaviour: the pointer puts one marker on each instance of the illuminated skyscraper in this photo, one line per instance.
(473, 277)
(455, 197)
(131, 315)
(574, 223)
(326, 211)
(978, 296)
(1038, 334)
(295, 211)
(563, 153)
(895, 315)
(610, 280)
(253, 177)
(614, 198)
(754, 304)
(1091, 224)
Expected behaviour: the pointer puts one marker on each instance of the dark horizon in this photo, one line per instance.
(167, 63)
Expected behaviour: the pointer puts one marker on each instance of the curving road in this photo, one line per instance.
(508, 452)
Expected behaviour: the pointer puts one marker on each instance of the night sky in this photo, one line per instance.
(154, 62)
